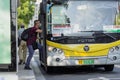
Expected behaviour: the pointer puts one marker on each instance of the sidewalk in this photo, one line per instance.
(25, 74)
(8, 76)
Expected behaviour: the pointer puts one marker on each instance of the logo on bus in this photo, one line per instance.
(86, 48)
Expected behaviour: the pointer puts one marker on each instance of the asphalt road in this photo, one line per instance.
(78, 73)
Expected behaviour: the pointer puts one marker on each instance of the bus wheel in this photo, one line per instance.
(41, 65)
(109, 67)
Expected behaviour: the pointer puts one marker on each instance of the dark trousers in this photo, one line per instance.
(31, 52)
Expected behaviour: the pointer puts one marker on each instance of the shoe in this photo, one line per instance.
(20, 62)
(27, 68)
(23, 62)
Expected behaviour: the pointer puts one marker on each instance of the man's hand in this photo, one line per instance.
(39, 30)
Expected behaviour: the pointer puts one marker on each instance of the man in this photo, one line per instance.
(22, 47)
(31, 40)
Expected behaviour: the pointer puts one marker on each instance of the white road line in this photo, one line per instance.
(37, 71)
(117, 66)
(99, 78)
(114, 78)
(104, 78)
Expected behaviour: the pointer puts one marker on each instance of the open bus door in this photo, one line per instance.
(42, 18)
(8, 35)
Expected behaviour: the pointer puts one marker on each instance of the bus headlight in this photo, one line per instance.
(117, 48)
(114, 53)
(60, 51)
(114, 50)
(54, 50)
(111, 50)
(55, 56)
(50, 48)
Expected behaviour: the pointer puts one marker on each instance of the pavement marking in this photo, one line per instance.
(99, 78)
(117, 66)
(37, 72)
(114, 78)
(104, 78)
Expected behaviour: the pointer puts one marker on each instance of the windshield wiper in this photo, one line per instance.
(110, 36)
(98, 32)
(61, 38)
(93, 31)
(102, 33)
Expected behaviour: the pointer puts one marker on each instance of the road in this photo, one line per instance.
(75, 73)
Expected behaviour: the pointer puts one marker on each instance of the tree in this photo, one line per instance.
(25, 12)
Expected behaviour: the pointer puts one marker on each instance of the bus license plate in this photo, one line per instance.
(86, 61)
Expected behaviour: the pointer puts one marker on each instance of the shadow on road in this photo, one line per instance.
(75, 70)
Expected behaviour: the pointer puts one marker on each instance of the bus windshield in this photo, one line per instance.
(81, 16)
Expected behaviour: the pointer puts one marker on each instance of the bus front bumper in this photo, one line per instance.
(81, 61)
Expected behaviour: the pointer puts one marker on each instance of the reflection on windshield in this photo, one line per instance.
(78, 16)
(92, 15)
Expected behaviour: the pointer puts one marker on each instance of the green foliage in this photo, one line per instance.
(25, 12)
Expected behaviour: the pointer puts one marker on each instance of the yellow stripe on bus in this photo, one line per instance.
(78, 49)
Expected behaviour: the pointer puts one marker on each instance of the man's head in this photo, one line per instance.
(22, 26)
(37, 23)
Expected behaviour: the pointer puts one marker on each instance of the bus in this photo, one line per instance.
(80, 33)
(7, 35)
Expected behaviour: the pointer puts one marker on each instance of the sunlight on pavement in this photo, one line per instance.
(8, 76)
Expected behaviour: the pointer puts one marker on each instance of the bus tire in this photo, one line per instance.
(109, 67)
(49, 69)
(42, 65)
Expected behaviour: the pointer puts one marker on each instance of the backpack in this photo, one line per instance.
(25, 34)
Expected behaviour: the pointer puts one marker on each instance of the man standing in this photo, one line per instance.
(31, 40)
(22, 47)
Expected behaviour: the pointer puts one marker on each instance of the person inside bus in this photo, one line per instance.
(31, 40)
(22, 46)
